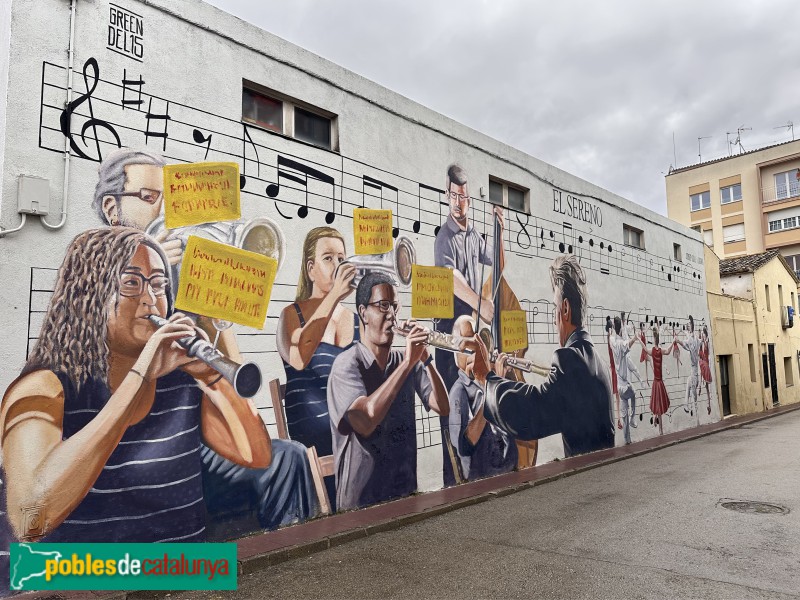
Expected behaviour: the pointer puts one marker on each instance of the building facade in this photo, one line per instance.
(753, 304)
(742, 204)
(314, 145)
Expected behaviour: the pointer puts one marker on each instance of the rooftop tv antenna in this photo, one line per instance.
(728, 135)
(674, 152)
(789, 125)
(699, 154)
(738, 140)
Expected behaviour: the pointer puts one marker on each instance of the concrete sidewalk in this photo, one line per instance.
(261, 551)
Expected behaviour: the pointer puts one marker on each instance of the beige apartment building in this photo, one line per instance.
(755, 342)
(743, 204)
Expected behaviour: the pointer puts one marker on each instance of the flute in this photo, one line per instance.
(523, 364)
(437, 339)
(245, 378)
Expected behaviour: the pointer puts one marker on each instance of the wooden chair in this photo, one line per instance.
(321, 466)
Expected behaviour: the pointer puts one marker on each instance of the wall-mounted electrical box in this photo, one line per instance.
(33, 195)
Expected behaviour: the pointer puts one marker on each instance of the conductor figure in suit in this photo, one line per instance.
(575, 399)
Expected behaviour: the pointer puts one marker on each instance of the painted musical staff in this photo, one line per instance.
(417, 206)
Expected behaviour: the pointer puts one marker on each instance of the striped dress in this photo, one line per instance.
(151, 488)
(306, 399)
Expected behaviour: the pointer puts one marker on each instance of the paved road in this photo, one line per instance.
(647, 527)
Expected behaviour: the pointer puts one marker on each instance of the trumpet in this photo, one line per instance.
(396, 263)
(245, 378)
(437, 339)
(523, 364)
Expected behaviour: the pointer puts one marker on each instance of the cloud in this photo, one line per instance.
(595, 88)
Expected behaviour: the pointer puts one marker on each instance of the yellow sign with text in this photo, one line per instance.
(372, 230)
(224, 282)
(201, 193)
(431, 292)
(514, 330)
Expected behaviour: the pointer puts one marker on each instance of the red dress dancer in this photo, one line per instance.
(614, 389)
(659, 400)
(705, 369)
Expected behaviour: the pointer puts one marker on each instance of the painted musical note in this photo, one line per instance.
(157, 117)
(605, 259)
(441, 220)
(380, 186)
(523, 232)
(273, 189)
(91, 75)
(199, 138)
(246, 138)
(128, 84)
(417, 225)
(567, 238)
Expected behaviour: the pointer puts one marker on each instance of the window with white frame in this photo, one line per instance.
(288, 116)
(731, 193)
(701, 200)
(632, 237)
(508, 195)
(708, 237)
(733, 233)
(781, 224)
(787, 184)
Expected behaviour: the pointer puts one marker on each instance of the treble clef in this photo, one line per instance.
(522, 231)
(91, 75)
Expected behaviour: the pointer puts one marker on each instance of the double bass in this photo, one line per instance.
(497, 288)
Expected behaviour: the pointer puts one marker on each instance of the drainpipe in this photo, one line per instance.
(67, 150)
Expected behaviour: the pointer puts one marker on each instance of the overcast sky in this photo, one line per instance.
(595, 88)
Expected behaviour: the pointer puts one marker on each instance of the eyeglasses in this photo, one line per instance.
(145, 194)
(132, 285)
(385, 305)
(456, 196)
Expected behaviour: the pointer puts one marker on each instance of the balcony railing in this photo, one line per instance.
(780, 192)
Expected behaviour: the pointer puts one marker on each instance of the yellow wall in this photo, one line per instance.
(733, 327)
(787, 341)
(738, 322)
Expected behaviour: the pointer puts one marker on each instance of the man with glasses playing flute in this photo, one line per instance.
(371, 392)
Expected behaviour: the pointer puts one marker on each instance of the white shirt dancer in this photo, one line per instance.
(626, 337)
(692, 346)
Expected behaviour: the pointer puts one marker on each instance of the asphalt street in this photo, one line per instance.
(653, 526)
